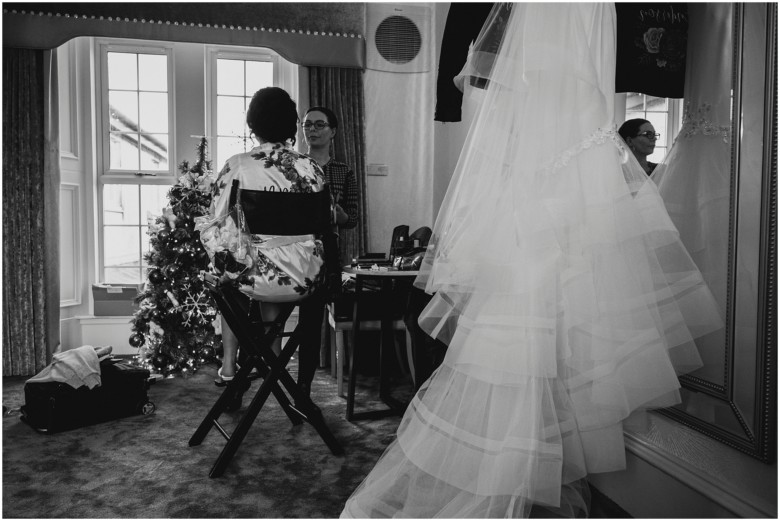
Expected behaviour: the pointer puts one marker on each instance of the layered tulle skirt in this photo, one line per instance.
(556, 333)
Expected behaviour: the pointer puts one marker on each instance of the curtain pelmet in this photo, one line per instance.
(341, 90)
(322, 34)
(30, 179)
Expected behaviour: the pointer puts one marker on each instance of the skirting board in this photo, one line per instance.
(705, 480)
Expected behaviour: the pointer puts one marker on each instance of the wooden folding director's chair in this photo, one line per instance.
(271, 213)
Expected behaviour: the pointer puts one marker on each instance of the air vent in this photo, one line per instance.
(398, 37)
(398, 40)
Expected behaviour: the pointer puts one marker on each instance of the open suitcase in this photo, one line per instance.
(51, 407)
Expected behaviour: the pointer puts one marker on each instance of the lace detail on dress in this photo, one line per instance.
(598, 137)
(698, 122)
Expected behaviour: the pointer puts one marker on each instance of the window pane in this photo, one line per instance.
(123, 276)
(657, 104)
(121, 246)
(123, 151)
(226, 147)
(231, 117)
(230, 77)
(635, 101)
(154, 152)
(658, 154)
(153, 199)
(658, 120)
(120, 204)
(153, 72)
(258, 75)
(122, 71)
(153, 111)
(123, 110)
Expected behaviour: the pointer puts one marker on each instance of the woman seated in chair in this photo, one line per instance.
(280, 273)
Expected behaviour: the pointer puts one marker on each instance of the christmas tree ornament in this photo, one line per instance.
(136, 340)
(171, 270)
(155, 276)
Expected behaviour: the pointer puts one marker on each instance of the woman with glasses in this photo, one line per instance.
(320, 126)
(640, 136)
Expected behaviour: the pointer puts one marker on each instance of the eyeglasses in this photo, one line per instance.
(319, 125)
(649, 135)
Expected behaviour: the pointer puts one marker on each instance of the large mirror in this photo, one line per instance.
(721, 193)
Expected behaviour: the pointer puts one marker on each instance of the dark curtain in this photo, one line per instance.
(341, 90)
(31, 181)
(464, 22)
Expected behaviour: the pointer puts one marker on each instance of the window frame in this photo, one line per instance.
(105, 175)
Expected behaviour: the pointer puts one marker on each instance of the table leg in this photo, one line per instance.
(385, 358)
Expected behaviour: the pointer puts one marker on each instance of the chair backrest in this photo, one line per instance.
(401, 231)
(423, 234)
(284, 213)
(291, 213)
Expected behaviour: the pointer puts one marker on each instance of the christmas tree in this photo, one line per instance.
(173, 327)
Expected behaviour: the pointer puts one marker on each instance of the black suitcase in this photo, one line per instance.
(51, 407)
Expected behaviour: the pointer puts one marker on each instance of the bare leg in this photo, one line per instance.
(269, 312)
(230, 342)
(229, 350)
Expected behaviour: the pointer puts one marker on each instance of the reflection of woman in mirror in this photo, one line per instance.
(640, 136)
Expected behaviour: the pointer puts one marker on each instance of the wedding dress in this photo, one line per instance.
(694, 179)
(561, 288)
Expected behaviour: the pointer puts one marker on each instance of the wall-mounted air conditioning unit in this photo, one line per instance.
(398, 37)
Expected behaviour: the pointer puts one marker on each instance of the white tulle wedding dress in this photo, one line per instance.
(561, 288)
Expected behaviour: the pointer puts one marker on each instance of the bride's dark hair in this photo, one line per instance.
(631, 128)
(272, 115)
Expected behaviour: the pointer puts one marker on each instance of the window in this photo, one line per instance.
(135, 121)
(663, 113)
(154, 102)
(126, 211)
(236, 77)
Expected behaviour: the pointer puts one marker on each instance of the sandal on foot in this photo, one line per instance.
(222, 381)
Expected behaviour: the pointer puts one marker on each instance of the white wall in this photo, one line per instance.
(400, 135)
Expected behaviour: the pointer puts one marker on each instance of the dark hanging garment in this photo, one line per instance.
(651, 48)
(464, 21)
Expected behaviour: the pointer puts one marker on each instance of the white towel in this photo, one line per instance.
(75, 367)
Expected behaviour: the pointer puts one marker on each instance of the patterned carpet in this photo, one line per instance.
(142, 466)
